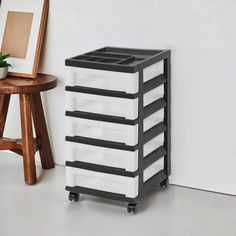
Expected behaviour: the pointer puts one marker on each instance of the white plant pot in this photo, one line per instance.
(3, 72)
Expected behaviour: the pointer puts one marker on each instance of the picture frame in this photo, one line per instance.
(22, 27)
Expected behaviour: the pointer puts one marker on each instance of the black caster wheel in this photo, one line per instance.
(74, 197)
(165, 183)
(132, 207)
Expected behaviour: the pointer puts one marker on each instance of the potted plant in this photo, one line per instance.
(4, 65)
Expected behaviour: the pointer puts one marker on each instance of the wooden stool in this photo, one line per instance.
(30, 102)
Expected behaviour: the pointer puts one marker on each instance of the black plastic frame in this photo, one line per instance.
(144, 137)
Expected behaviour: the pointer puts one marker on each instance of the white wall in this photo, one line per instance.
(202, 37)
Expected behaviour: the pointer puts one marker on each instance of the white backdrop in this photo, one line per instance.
(202, 37)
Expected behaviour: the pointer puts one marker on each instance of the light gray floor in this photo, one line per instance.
(44, 210)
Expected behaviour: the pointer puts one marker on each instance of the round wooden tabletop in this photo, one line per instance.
(18, 85)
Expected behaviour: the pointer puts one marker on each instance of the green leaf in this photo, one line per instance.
(3, 62)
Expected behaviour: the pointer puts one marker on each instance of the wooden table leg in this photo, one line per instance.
(41, 131)
(27, 139)
(4, 104)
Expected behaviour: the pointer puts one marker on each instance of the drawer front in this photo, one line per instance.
(109, 80)
(127, 160)
(127, 134)
(112, 106)
(108, 182)
(101, 181)
(102, 156)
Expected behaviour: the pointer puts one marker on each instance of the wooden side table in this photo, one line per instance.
(30, 104)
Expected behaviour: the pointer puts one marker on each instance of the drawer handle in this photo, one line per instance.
(101, 143)
(100, 117)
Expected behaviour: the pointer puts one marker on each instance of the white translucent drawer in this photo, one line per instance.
(108, 182)
(110, 80)
(112, 106)
(127, 160)
(121, 133)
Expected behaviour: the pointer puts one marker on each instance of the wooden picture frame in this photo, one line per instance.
(22, 27)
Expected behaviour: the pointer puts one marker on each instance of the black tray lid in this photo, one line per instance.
(118, 59)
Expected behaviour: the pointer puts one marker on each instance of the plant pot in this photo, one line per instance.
(3, 72)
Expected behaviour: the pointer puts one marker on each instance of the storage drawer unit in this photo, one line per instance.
(118, 123)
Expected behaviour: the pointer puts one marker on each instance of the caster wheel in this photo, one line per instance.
(131, 208)
(73, 197)
(165, 183)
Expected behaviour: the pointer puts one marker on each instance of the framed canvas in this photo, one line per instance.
(22, 26)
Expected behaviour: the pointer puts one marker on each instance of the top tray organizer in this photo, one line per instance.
(117, 59)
